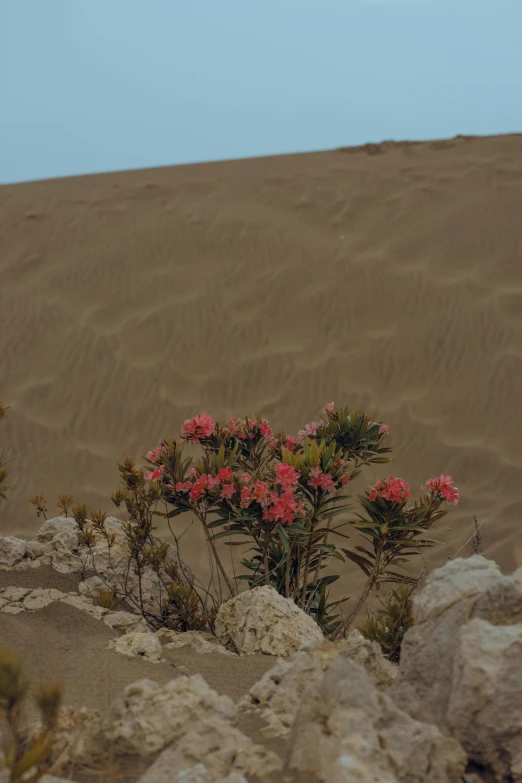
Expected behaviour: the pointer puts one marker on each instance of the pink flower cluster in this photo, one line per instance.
(442, 484)
(155, 454)
(322, 480)
(237, 427)
(201, 426)
(393, 489)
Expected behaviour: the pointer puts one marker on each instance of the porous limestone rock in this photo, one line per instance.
(219, 750)
(92, 586)
(12, 551)
(200, 774)
(460, 663)
(262, 621)
(41, 597)
(56, 544)
(136, 643)
(277, 695)
(150, 716)
(125, 621)
(13, 594)
(347, 731)
(200, 641)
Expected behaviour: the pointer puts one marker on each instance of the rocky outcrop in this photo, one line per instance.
(346, 730)
(277, 696)
(12, 551)
(219, 752)
(150, 717)
(146, 645)
(461, 662)
(261, 620)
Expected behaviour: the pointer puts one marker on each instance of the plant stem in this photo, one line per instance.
(265, 558)
(216, 556)
(370, 584)
(287, 576)
(307, 560)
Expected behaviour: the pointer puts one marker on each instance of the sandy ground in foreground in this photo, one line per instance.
(385, 277)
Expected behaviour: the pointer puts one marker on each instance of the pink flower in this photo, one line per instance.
(245, 497)
(201, 426)
(292, 441)
(224, 474)
(286, 475)
(156, 475)
(283, 508)
(345, 480)
(393, 489)
(260, 491)
(330, 407)
(155, 453)
(442, 485)
(227, 491)
(183, 486)
(382, 429)
(245, 477)
(309, 430)
(266, 431)
(321, 480)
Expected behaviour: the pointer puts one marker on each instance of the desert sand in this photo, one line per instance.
(385, 277)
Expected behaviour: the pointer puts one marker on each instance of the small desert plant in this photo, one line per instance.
(38, 501)
(476, 545)
(107, 600)
(26, 759)
(388, 625)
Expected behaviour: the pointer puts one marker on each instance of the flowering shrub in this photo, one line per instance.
(281, 493)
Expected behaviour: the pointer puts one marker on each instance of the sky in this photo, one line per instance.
(90, 86)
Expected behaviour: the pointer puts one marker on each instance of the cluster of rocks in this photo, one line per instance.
(338, 712)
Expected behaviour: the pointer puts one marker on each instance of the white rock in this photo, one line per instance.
(41, 597)
(199, 641)
(12, 609)
(218, 750)
(150, 716)
(277, 696)
(261, 620)
(132, 644)
(465, 674)
(485, 706)
(58, 534)
(457, 581)
(126, 621)
(13, 594)
(92, 586)
(347, 731)
(12, 551)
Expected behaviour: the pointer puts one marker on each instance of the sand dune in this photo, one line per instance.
(386, 277)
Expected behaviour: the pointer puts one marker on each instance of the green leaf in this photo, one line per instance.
(283, 537)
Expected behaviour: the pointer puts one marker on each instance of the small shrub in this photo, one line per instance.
(387, 626)
(26, 759)
(107, 600)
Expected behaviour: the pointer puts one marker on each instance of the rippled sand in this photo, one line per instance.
(387, 277)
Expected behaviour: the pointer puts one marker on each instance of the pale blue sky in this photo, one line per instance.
(103, 85)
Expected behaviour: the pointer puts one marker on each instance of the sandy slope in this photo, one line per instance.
(384, 277)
